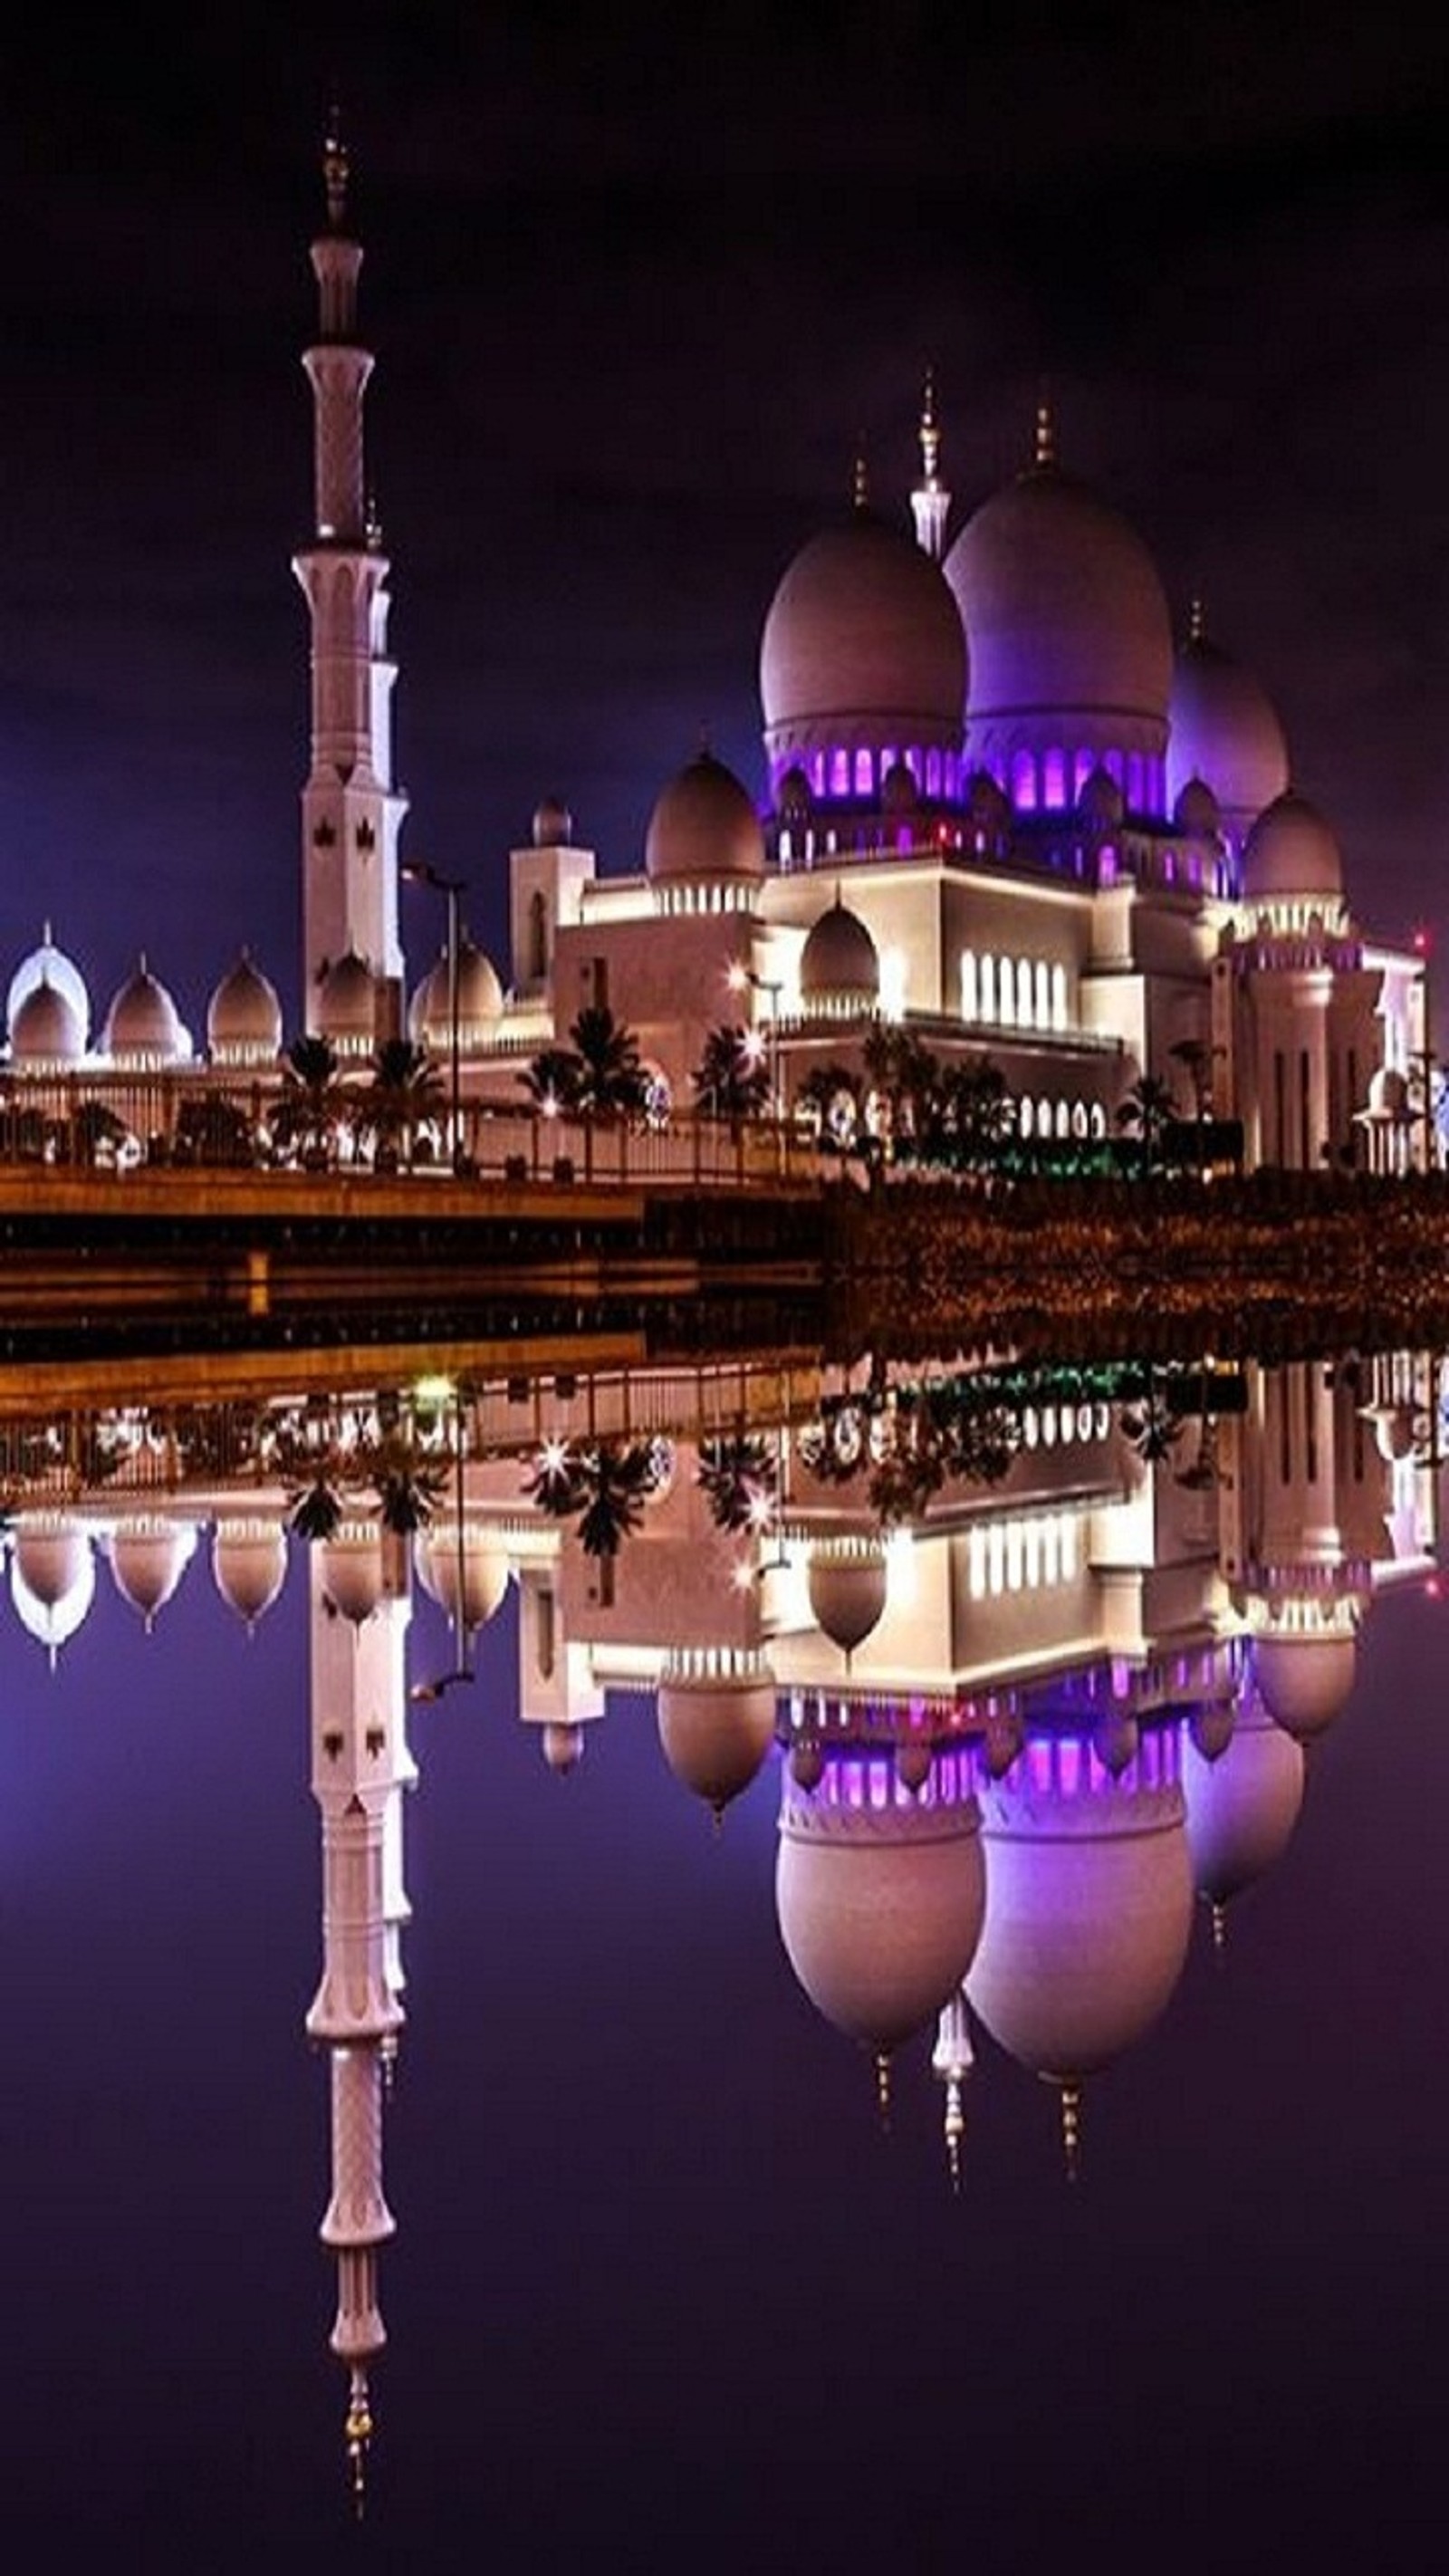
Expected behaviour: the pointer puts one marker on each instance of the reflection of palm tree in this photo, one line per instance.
(317, 1510)
(1151, 1427)
(732, 1076)
(739, 1479)
(1147, 1108)
(605, 1483)
(407, 1486)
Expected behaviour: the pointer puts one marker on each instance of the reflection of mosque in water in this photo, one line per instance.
(1040, 1664)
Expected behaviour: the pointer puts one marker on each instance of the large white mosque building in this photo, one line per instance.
(999, 805)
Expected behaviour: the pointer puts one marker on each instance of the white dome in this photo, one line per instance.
(44, 1029)
(142, 1025)
(839, 964)
(847, 1590)
(717, 1732)
(1242, 1808)
(352, 1570)
(347, 1008)
(880, 1906)
(862, 645)
(244, 1016)
(148, 1559)
(52, 1579)
(50, 965)
(704, 829)
(484, 1571)
(1088, 1918)
(249, 1565)
(1291, 855)
(1224, 732)
(480, 1003)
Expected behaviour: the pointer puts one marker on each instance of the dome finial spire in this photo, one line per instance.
(1196, 625)
(334, 169)
(860, 477)
(1071, 2102)
(930, 500)
(883, 2089)
(1044, 447)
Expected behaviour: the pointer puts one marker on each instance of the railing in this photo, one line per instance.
(50, 1124)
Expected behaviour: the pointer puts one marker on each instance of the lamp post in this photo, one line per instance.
(744, 978)
(419, 872)
(433, 1689)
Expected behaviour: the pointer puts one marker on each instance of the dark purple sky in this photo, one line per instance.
(634, 287)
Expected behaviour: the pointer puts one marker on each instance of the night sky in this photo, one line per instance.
(661, 2294)
(634, 287)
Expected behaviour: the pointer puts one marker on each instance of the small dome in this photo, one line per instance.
(1223, 732)
(352, 1570)
(48, 964)
(1197, 811)
(862, 643)
(484, 1577)
(1292, 856)
(838, 964)
(1101, 801)
(716, 1733)
(794, 802)
(1064, 613)
(553, 824)
(880, 1906)
(480, 1003)
(249, 1565)
(347, 1009)
(45, 1030)
(1388, 1093)
(563, 1746)
(148, 1560)
(244, 1016)
(142, 1025)
(1241, 1808)
(704, 829)
(847, 1589)
(987, 804)
(1305, 1680)
(52, 1579)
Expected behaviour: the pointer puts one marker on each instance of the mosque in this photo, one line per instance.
(999, 807)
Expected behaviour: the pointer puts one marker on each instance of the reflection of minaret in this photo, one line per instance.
(351, 811)
(930, 501)
(952, 2060)
(360, 1767)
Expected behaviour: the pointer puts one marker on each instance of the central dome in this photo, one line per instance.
(862, 646)
(1068, 632)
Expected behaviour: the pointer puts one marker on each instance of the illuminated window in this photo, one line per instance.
(1112, 763)
(1044, 1018)
(1083, 765)
(933, 773)
(1023, 993)
(862, 773)
(1025, 1120)
(840, 773)
(1079, 1121)
(970, 986)
(1005, 993)
(988, 988)
(1136, 782)
(1064, 1121)
(1097, 1120)
(817, 773)
(1023, 782)
(1054, 780)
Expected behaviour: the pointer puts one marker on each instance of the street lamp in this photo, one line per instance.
(419, 872)
(433, 1689)
(742, 978)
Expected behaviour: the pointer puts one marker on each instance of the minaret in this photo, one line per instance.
(351, 811)
(930, 501)
(360, 1769)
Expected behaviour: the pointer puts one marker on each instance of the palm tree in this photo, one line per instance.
(406, 1091)
(552, 1079)
(612, 1081)
(311, 1105)
(1147, 1107)
(907, 1074)
(978, 1110)
(732, 1076)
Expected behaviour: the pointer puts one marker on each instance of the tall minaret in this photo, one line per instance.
(930, 501)
(360, 1769)
(351, 811)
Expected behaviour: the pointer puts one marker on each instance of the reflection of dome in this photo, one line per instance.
(45, 1030)
(847, 1587)
(352, 1569)
(142, 1026)
(553, 824)
(1305, 1679)
(1291, 855)
(716, 1730)
(484, 1571)
(480, 1003)
(704, 829)
(1241, 1808)
(148, 1560)
(1065, 618)
(347, 1007)
(1101, 802)
(839, 967)
(244, 1016)
(1224, 731)
(1089, 1905)
(52, 1579)
(862, 644)
(563, 1745)
(880, 1894)
(50, 965)
(249, 1564)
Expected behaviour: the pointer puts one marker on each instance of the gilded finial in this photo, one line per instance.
(1071, 2101)
(860, 477)
(1196, 629)
(334, 169)
(883, 2089)
(1044, 451)
(357, 2434)
(930, 433)
(373, 529)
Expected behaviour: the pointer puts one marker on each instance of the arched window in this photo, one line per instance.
(840, 773)
(1112, 763)
(1043, 984)
(988, 988)
(1024, 1018)
(1097, 1120)
(1059, 997)
(537, 936)
(1025, 1119)
(1005, 993)
(1064, 1121)
(1054, 780)
(970, 986)
(1079, 1121)
(817, 773)
(862, 773)
(1136, 783)
(1023, 782)
(1083, 765)
(1044, 1118)
(933, 773)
